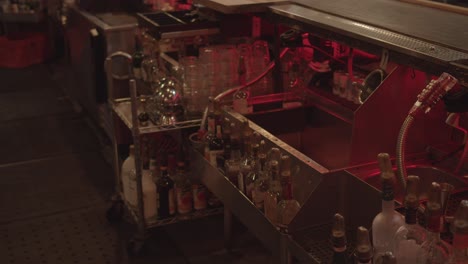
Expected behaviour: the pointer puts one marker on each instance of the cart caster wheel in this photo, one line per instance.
(135, 247)
(115, 213)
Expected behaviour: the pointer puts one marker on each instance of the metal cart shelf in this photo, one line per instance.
(123, 108)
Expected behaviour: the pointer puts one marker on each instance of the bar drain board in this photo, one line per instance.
(78, 237)
(316, 241)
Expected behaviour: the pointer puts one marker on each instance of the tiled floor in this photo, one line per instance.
(55, 188)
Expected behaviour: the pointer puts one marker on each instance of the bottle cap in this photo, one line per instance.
(385, 166)
(460, 222)
(338, 231)
(412, 192)
(363, 245)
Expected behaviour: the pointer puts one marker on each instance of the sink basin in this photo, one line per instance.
(427, 175)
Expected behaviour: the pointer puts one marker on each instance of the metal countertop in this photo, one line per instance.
(425, 23)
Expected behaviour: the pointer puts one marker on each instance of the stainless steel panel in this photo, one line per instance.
(428, 24)
(239, 6)
(428, 56)
(339, 192)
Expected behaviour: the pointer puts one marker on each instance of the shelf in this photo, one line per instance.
(123, 109)
(196, 214)
(22, 17)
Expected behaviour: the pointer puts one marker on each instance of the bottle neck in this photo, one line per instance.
(411, 215)
(388, 206)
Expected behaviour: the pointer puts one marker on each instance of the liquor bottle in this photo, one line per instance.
(199, 191)
(128, 177)
(364, 251)
(409, 237)
(387, 222)
(273, 155)
(262, 155)
(434, 250)
(183, 190)
(216, 146)
(166, 196)
(253, 174)
(143, 116)
(211, 128)
(274, 194)
(286, 181)
(232, 166)
(262, 184)
(137, 59)
(460, 233)
(149, 192)
(235, 136)
(338, 240)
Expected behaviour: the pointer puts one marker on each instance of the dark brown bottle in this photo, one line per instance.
(339, 240)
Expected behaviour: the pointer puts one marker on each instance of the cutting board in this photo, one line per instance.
(239, 6)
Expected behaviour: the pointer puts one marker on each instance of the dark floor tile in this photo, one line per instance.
(43, 137)
(61, 184)
(82, 236)
(36, 77)
(29, 104)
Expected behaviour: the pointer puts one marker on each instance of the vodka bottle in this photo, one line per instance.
(364, 251)
(128, 176)
(387, 222)
(274, 194)
(434, 250)
(199, 192)
(338, 239)
(246, 136)
(286, 181)
(409, 237)
(460, 233)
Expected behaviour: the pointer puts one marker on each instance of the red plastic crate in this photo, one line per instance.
(23, 49)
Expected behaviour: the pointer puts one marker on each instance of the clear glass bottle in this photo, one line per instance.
(232, 165)
(274, 194)
(364, 251)
(434, 250)
(288, 207)
(183, 190)
(253, 173)
(262, 184)
(246, 137)
(166, 196)
(460, 233)
(387, 222)
(409, 237)
(338, 239)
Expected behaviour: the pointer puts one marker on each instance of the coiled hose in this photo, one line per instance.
(400, 151)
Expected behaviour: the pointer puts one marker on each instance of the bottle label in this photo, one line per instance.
(387, 191)
(184, 200)
(172, 202)
(199, 197)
